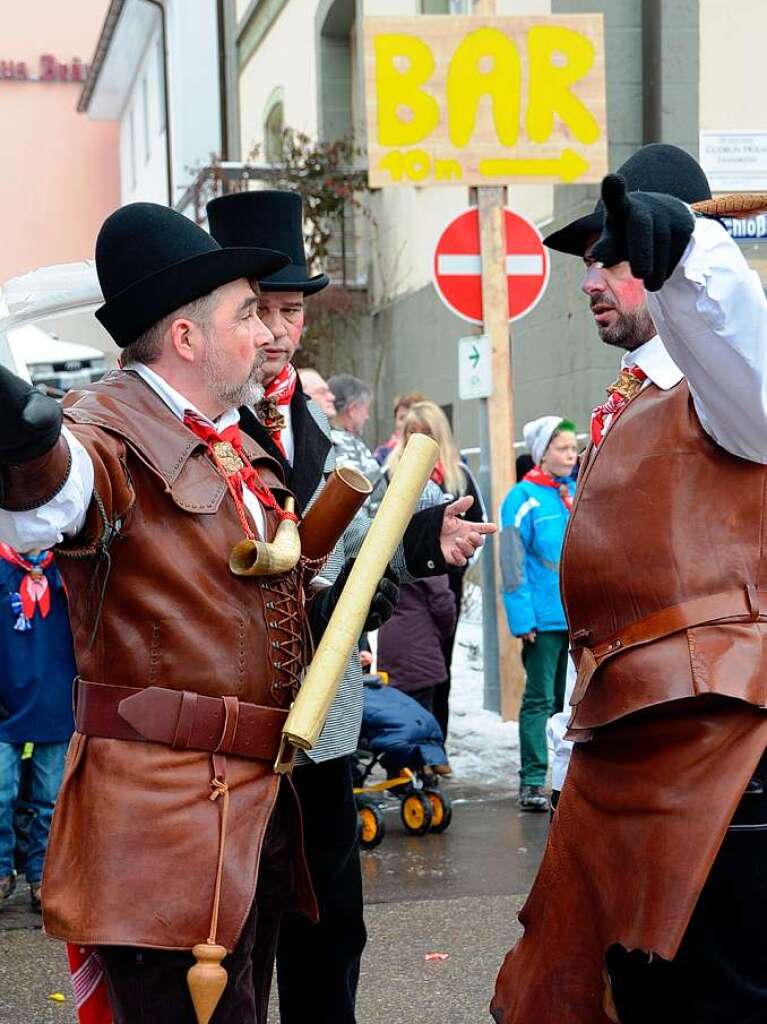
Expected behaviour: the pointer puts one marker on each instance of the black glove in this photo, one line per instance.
(648, 229)
(381, 607)
(30, 422)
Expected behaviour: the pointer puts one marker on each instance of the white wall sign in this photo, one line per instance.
(735, 161)
(475, 367)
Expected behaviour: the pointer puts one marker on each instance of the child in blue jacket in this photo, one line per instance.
(534, 517)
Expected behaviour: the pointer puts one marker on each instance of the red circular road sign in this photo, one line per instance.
(457, 266)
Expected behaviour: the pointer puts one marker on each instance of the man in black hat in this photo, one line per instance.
(318, 966)
(651, 898)
(185, 677)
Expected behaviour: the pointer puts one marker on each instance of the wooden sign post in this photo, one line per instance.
(488, 101)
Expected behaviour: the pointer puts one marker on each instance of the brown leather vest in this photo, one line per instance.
(664, 569)
(134, 843)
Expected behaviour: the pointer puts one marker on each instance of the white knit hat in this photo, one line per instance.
(537, 435)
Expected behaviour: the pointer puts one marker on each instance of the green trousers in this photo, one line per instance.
(545, 664)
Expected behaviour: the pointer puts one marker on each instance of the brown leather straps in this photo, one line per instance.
(745, 605)
(180, 719)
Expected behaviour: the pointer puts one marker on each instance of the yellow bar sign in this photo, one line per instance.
(485, 101)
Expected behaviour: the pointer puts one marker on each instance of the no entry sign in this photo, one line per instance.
(458, 269)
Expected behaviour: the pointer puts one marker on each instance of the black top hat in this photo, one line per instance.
(271, 217)
(654, 168)
(152, 260)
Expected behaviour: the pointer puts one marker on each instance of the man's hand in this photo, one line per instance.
(459, 538)
(381, 607)
(529, 638)
(30, 422)
(648, 229)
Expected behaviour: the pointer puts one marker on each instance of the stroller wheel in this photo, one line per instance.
(441, 810)
(415, 812)
(371, 826)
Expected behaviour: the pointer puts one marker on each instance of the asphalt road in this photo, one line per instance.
(456, 893)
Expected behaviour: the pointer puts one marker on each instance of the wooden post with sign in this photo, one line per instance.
(487, 101)
(491, 201)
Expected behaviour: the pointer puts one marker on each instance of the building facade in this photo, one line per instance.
(156, 75)
(60, 174)
(672, 68)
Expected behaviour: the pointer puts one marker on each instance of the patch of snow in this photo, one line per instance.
(481, 747)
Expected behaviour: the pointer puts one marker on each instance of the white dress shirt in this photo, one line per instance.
(65, 514)
(712, 316)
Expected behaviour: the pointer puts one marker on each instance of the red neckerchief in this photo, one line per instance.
(626, 387)
(34, 590)
(226, 450)
(280, 391)
(438, 474)
(538, 476)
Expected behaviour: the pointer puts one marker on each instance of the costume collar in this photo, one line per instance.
(653, 359)
(176, 401)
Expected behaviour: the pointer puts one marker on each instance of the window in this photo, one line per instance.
(273, 128)
(145, 112)
(160, 63)
(435, 6)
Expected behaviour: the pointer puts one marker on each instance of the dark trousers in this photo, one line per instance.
(719, 975)
(545, 663)
(148, 986)
(425, 696)
(318, 965)
(441, 704)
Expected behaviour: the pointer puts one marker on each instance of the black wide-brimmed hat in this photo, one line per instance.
(654, 168)
(152, 260)
(272, 217)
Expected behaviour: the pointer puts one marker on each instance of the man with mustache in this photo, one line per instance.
(650, 901)
(185, 673)
(318, 965)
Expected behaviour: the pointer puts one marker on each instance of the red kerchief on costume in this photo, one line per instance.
(537, 476)
(226, 450)
(279, 392)
(626, 387)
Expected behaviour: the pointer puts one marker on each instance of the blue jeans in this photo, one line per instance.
(46, 770)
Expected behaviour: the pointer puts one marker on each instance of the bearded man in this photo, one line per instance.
(172, 828)
(651, 898)
(318, 965)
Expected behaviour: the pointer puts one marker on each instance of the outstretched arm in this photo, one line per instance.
(708, 307)
(712, 317)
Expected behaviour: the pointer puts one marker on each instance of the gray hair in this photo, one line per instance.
(347, 390)
(147, 348)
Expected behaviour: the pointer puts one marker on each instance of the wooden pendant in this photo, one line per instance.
(206, 979)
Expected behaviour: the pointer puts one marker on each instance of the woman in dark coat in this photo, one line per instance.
(455, 479)
(410, 643)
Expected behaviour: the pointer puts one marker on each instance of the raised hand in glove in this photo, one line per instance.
(30, 422)
(381, 607)
(649, 229)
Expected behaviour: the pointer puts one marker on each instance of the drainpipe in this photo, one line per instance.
(223, 112)
(166, 88)
(652, 73)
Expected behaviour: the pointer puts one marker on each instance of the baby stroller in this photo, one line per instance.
(406, 741)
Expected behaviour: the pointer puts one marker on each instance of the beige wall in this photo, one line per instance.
(733, 84)
(286, 57)
(59, 176)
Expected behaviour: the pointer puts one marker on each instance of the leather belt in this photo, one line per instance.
(179, 719)
(745, 605)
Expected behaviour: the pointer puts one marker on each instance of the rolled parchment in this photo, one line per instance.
(307, 716)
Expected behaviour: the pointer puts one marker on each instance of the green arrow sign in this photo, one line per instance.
(474, 356)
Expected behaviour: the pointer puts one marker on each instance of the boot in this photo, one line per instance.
(7, 886)
(532, 798)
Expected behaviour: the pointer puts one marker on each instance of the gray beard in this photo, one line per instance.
(249, 392)
(630, 330)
